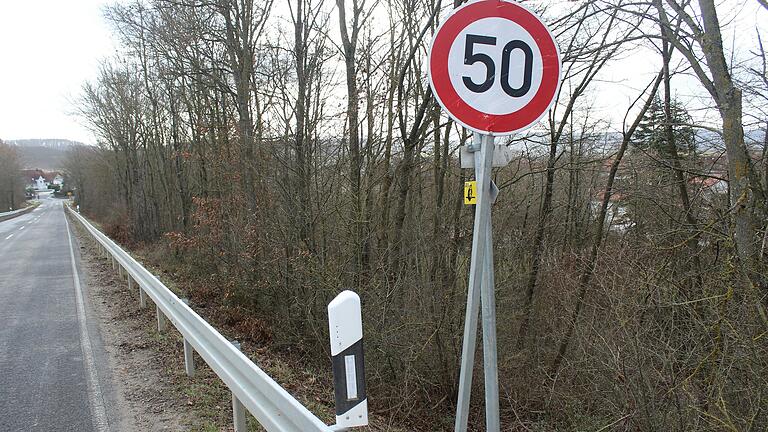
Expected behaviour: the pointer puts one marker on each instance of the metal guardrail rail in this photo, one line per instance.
(273, 407)
(14, 213)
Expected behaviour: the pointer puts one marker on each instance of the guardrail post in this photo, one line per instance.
(265, 399)
(142, 297)
(189, 360)
(238, 410)
(120, 271)
(345, 324)
(114, 263)
(160, 319)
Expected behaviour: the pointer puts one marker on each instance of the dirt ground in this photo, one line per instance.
(145, 397)
(152, 391)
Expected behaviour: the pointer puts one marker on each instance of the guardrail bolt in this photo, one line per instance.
(238, 410)
(189, 359)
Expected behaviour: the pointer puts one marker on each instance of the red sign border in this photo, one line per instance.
(456, 107)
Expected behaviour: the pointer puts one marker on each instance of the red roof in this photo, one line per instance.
(615, 196)
(34, 174)
(705, 181)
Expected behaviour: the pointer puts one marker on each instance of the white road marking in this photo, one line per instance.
(9, 236)
(21, 228)
(94, 389)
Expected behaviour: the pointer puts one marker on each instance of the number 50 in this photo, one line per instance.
(470, 58)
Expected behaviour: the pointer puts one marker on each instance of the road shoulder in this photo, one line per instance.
(138, 393)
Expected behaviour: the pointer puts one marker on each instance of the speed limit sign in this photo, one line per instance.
(494, 67)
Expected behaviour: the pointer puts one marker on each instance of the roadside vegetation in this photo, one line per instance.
(271, 154)
(11, 184)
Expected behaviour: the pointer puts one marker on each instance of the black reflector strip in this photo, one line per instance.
(349, 394)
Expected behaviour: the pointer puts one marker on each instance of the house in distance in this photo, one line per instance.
(38, 179)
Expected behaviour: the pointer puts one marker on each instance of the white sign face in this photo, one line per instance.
(490, 37)
(494, 67)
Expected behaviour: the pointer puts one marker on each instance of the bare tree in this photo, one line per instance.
(11, 186)
(599, 233)
(703, 33)
(596, 40)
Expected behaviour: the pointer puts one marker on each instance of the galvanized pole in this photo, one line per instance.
(490, 361)
(482, 146)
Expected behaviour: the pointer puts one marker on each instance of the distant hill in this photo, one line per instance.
(52, 143)
(46, 154)
(44, 158)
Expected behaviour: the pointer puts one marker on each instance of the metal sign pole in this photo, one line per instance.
(453, 62)
(488, 300)
(480, 286)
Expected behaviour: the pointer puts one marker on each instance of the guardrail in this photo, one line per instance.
(273, 407)
(12, 214)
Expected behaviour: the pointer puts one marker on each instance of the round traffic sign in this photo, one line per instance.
(494, 67)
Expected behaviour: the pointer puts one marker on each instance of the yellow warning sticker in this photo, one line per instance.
(470, 192)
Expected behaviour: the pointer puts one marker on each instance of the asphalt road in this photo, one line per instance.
(49, 351)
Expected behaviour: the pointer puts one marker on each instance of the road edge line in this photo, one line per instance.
(95, 395)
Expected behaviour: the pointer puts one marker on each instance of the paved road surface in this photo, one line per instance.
(49, 353)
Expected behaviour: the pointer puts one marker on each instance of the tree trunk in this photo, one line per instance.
(349, 45)
(679, 175)
(589, 268)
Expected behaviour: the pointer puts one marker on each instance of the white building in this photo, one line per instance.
(40, 184)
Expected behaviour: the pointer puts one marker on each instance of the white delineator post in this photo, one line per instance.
(345, 325)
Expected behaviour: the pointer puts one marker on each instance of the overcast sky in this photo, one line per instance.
(49, 48)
